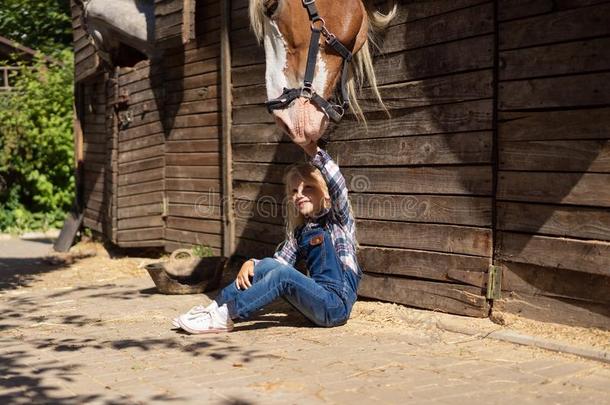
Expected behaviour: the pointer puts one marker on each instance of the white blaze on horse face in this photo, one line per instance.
(275, 60)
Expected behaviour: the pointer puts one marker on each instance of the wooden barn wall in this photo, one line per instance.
(553, 209)
(86, 61)
(97, 184)
(192, 136)
(420, 182)
(138, 100)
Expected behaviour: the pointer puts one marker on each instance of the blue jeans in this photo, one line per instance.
(325, 298)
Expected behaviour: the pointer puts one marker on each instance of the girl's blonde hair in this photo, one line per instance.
(305, 171)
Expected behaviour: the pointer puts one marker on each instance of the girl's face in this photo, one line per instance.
(307, 196)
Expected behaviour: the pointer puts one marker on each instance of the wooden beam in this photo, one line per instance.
(228, 234)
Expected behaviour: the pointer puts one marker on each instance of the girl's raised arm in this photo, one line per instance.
(337, 187)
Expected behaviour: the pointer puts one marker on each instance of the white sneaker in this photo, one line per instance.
(197, 309)
(208, 321)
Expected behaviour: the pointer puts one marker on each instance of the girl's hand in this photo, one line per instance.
(242, 281)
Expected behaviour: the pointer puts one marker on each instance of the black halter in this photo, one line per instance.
(334, 111)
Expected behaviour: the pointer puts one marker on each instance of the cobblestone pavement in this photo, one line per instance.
(108, 340)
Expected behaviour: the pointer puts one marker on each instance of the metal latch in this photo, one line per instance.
(125, 118)
(494, 282)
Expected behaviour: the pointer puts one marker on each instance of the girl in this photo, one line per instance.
(320, 229)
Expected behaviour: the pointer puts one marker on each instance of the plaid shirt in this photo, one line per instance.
(340, 221)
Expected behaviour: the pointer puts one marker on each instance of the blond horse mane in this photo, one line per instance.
(361, 68)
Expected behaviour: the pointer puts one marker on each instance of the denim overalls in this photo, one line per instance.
(325, 297)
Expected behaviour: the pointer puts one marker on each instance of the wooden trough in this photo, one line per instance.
(496, 155)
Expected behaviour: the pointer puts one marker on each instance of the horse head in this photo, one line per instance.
(285, 28)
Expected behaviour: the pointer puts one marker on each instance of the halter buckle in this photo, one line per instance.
(307, 91)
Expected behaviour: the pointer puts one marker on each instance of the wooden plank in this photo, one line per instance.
(552, 282)
(201, 172)
(457, 210)
(141, 154)
(146, 164)
(559, 310)
(555, 188)
(141, 188)
(454, 88)
(252, 114)
(248, 75)
(141, 210)
(261, 231)
(140, 143)
(460, 148)
(514, 9)
(555, 220)
(194, 94)
(200, 211)
(261, 211)
(190, 197)
(459, 117)
(192, 159)
(555, 27)
(257, 133)
(557, 59)
(268, 152)
(198, 225)
(417, 10)
(421, 236)
(140, 199)
(555, 125)
(556, 92)
(198, 185)
(422, 264)
(181, 134)
(193, 82)
(568, 156)
(455, 299)
(140, 177)
(208, 145)
(140, 222)
(253, 248)
(197, 120)
(451, 26)
(452, 57)
(140, 234)
(571, 254)
(425, 180)
(197, 238)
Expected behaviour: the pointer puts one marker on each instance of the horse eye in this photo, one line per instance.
(270, 7)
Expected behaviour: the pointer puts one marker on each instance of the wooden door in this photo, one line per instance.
(140, 157)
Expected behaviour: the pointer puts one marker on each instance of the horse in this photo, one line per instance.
(122, 31)
(291, 32)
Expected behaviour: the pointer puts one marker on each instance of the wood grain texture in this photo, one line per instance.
(554, 125)
(570, 254)
(422, 264)
(421, 236)
(556, 92)
(552, 309)
(553, 282)
(555, 220)
(455, 299)
(561, 156)
(556, 188)
(555, 27)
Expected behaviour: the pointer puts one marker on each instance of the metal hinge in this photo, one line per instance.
(494, 282)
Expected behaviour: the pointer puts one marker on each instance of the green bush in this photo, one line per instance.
(36, 146)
